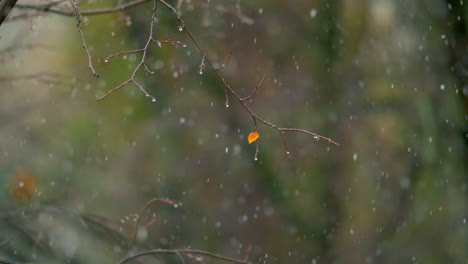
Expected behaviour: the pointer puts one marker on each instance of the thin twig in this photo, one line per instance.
(181, 258)
(202, 64)
(256, 141)
(78, 25)
(226, 63)
(255, 90)
(123, 53)
(247, 252)
(5, 242)
(173, 42)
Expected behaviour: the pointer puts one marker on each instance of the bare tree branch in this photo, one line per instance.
(241, 100)
(229, 91)
(142, 63)
(78, 25)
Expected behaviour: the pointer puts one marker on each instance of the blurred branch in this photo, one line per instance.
(255, 90)
(25, 15)
(181, 252)
(100, 221)
(5, 242)
(5, 8)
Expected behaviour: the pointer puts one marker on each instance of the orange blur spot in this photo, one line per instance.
(24, 186)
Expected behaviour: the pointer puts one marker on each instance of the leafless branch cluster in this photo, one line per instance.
(142, 63)
(205, 58)
(12, 218)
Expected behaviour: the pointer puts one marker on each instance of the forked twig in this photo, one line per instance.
(101, 222)
(142, 63)
(241, 100)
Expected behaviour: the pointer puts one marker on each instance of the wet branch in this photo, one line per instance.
(204, 58)
(83, 40)
(142, 63)
(241, 100)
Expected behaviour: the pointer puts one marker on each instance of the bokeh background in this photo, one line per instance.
(386, 79)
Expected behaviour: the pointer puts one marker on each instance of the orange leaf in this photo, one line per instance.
(253, 136)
